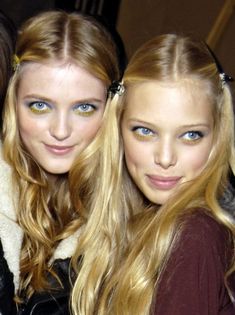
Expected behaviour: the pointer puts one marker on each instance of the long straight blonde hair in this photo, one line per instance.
(126, 242)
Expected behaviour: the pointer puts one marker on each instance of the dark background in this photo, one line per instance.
(19, 10)
(135, 21)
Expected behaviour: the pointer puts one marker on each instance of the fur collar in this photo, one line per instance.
(66, 247)
(10, 232)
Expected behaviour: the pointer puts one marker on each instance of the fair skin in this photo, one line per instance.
(168, 136)
(60, 108)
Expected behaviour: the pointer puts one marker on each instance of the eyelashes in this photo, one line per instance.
(85, 109)
(144, 133)
(40, 107)
(192, 136)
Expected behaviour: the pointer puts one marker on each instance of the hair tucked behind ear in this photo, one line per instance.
(126, 242)
(44, 211)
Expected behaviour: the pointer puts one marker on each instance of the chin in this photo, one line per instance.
(56, 171)
(158, 200)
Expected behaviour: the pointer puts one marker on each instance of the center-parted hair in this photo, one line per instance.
(134, 237)
(44, 211)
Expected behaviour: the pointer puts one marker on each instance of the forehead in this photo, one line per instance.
(187, 88)
(52, 67)
(162, 101)
(58, 76)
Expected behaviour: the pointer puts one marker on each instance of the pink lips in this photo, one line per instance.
(163, 183)
(59, 150)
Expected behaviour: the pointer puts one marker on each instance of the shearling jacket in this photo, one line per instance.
(55, 302)
(10, 242)
(7, 306)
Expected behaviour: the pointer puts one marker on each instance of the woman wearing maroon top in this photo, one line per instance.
(152, 182)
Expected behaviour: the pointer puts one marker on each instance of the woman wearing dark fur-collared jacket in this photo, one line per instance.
(56, 100)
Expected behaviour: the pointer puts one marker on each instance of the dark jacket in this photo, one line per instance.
(7, 305)
(55, 301)
(10, 241)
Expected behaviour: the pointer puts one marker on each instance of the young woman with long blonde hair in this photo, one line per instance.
(157, 240)
(64, 64)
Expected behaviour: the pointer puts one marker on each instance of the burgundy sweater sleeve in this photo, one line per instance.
(193, 281)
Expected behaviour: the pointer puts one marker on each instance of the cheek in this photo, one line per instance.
(27, 127)
(197, 160)
(135, 159)
(87, 129)
(31, 128)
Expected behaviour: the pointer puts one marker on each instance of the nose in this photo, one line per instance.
(60, 127)
(165, 153)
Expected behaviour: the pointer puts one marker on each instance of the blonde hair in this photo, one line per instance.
(44, 211)
(126, 243)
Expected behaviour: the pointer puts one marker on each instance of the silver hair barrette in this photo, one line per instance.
(225, 78)
(116, 87)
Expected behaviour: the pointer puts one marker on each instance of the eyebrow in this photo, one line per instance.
(46, 99)
(135, 120)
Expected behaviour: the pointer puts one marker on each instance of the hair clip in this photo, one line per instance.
(225, 78)
(16, 62)
(116, 87)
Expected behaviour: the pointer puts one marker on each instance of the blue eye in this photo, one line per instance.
(39, 107)
(192, 135)
(142, 131)
(84, 109)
